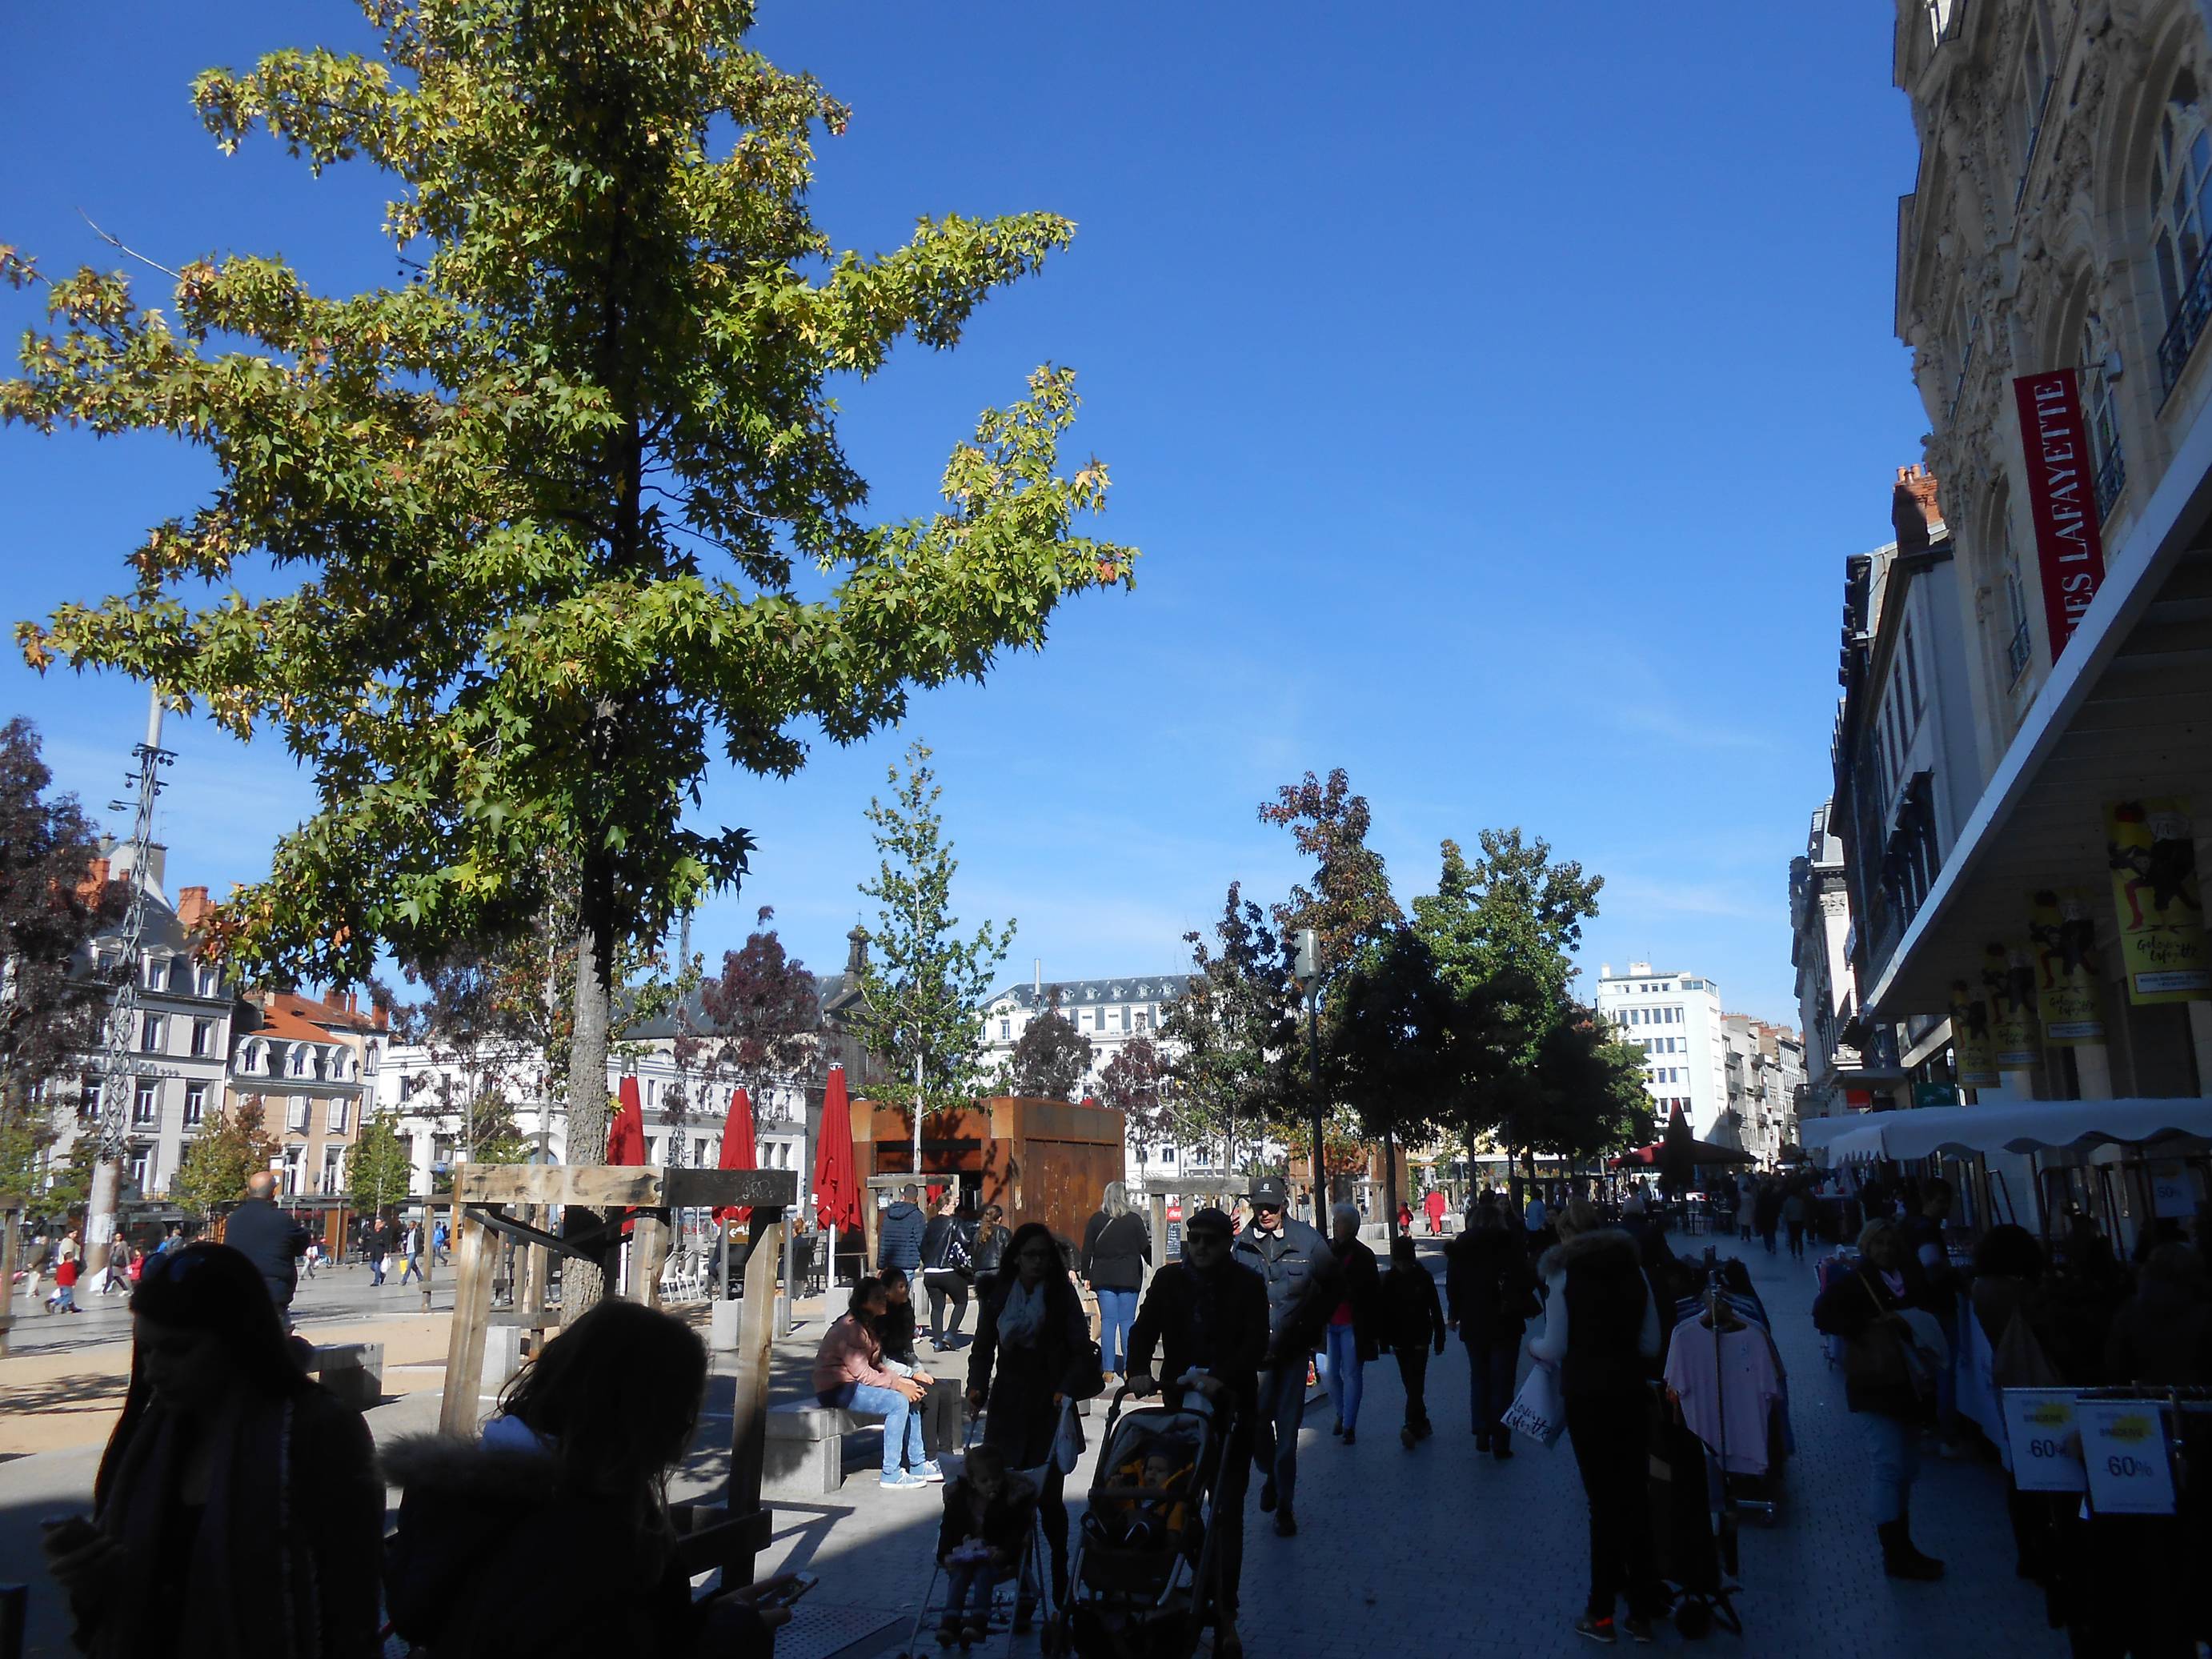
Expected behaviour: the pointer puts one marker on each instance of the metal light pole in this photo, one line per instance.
(1308, 973)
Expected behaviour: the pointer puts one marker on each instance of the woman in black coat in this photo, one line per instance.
(1491, 1291)
(1032, 1354)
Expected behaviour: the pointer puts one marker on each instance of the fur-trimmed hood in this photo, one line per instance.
(1589, 1250)
(446, 1466)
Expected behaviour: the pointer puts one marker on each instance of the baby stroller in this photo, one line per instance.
(1141, 1583)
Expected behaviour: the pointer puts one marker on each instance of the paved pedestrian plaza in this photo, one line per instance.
(1436, 1550)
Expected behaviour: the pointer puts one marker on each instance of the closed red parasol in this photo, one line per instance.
(626, 1134)
(836, 1193)
(738, 1152)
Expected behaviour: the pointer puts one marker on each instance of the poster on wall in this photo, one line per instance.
(2151, 846)
(1971, 1047)
(2069, 553)
(2008, 986)
(2063, 930)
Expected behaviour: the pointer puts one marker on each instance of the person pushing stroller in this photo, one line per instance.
(1209, 1313)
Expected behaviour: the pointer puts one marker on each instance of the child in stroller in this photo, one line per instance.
(989, 1512)
(1150, 1522)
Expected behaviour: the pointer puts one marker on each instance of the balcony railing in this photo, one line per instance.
(2186, 328)
(2111, 478)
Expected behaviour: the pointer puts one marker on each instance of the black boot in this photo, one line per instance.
(1899, 1560)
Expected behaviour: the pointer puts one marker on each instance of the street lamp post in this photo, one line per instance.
(1308, 973)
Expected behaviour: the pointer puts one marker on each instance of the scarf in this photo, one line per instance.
(1022, 1317)
(239, 1577)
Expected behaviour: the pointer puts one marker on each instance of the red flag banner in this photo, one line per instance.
(2069, 552)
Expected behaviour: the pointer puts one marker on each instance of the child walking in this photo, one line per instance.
(1414, 1325)
(988, 1514)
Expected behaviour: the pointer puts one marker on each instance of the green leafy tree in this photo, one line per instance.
(222, 1155)
(508, 550)
(1388, 1046)
(1233, 1034)
(51, 1010)
(1502, 929)
(380, 1170)
(923, 988)
(1050, 1059)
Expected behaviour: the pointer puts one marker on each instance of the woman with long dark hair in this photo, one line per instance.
(574, 1467)
(237, 1508)
(1033, 1353)
(987, 1250)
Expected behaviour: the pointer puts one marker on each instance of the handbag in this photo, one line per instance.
(1875, 1359)
(1540, 1410)
(1068, 1440)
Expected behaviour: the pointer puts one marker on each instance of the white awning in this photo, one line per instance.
(2017, 1127)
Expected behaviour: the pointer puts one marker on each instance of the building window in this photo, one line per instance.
(1912, 667)
(203, 1038)
(2109, 468)
(296, 1117)
(337, 1121)
(195, 1104)
(142, 1169)
(149, 1035)
(210, 982)
(156, 971)
(299, 1060)
(1005, 1030)
(1144, 1020)
(146, 1104)
(333, 1169)
(2019, 648)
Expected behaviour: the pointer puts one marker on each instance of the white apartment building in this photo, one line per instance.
(186, 1009)
(1764, 1067)
(1110, 1013)
(311, 1064)
(1675, 1019)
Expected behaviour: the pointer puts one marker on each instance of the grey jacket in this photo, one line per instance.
(1302, 1279)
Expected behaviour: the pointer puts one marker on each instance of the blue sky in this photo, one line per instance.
(1494, 397)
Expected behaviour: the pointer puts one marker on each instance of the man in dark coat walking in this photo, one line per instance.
(1295, 1263)
(272, 1240)
(898, 1233)
(1209, 1313)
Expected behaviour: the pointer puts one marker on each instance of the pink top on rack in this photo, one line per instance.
(1727, 1390)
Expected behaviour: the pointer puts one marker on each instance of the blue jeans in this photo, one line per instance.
(902, 1423)
(1117, 1311)
(1342, 1370)
(1893, 1451)
(1491, 1366)
(1275, 1435)
(964, 1580)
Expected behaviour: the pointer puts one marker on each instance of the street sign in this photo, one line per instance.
(2124, 1448)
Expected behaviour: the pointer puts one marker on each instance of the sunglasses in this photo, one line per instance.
(1267, 1209)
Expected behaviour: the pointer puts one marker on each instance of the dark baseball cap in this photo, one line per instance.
(1209, 1220)
(1271, 1189)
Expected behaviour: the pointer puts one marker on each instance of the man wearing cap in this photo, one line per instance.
(1209, 1313)
(1296, 1264)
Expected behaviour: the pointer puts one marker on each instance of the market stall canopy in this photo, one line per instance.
(1703, 1152)
(2014, 1127)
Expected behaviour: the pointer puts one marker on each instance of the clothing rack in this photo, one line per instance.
(1719, 1305)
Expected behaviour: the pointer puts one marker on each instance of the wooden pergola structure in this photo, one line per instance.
(496, 1202)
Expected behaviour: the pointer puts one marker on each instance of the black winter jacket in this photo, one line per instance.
(1116, 1251)
(1611, 1332)
(1006, 1518)
(476, 1523)
(1302, 1280)
(1213, 1321)
(1852, 1303)
(1360, 1283)
(1017, 1383)
(1412, 1315)
(271, 1240)
(1490, 1284)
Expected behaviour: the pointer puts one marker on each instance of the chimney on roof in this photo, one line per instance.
(192, 907)
(95, 878)
(353, 1002)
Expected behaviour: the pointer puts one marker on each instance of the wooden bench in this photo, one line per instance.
(806, 1453)
(352, 1371)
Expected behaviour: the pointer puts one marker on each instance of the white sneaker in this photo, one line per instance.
(904, 1481)
(930, 1473)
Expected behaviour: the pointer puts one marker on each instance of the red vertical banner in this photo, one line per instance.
(2070, 553)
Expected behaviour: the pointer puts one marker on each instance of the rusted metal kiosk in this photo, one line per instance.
(492, 1203)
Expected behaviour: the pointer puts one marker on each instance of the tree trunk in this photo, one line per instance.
(584, 1283)
(1390, 1179)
